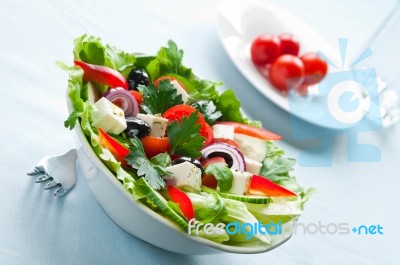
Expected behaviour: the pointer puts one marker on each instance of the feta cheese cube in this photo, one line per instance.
(180, 91)
(240, 183)
(223, 131)
(108, 116)
(185, 174)
(252, 166)
(157, 123)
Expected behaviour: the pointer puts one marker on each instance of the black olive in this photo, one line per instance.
(138, 77)
(136, 127)
(188, 159)
(227, 157)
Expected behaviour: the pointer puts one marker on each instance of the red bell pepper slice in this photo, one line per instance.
(249, 130)
(117, 150)
(263, 186)
(185, 204)
(102, 74)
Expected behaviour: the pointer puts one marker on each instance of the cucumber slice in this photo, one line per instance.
(252, 147)
(254, 199)
(154, 197)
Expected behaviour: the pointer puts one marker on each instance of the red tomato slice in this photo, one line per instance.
(185, 204)
(167, 77)
(209, 181)
(137, 96)
(263, 186)
(252, 131)
(117, 150)
(154, 145)
(225, 140)
(177, 112)
(102, 74)
(208, 134)
(212, 160)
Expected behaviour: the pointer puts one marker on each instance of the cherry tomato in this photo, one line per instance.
(225, 140)
(184, 202)
(249, 130)
(167, 77)
(286, 72)
(265, 49)
(289, 44)
(315, 68)
(154, 145)
(177, 112)
(137, 96)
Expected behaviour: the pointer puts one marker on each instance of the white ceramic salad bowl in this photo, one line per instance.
(145, 224)
(133, 199)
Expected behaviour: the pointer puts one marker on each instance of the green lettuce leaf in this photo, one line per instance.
(238, 212)
(209, 207)
(277, 168)
(229, 106)
(91, 50)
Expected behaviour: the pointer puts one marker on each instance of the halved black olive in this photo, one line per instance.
(188, 159)
(136, 127)
(138, 77)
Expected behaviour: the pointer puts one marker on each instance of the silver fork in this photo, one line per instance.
(58, 171)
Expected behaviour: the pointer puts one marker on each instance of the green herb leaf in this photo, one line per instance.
(158, 100)
(208, 110)
(71, 120)
(138, 160)
(223, 175)
(184, 137)
(162, 159)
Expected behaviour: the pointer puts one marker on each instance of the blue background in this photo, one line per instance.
(36, 228)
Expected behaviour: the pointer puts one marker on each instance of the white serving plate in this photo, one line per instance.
(240, 22)
(140, 221)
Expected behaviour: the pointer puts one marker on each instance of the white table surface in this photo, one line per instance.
(37, 228)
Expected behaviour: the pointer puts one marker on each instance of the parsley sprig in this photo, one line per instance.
(184, 137)
(145, 168)
(158, 100)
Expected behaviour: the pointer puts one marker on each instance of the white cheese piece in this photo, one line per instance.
(157, 123)
(240, 183)
(223, 131)
(185, 174)
(180, 91)
(108, 116)
(252, 166)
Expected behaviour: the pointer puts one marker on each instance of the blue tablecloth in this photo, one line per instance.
(37, 228)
